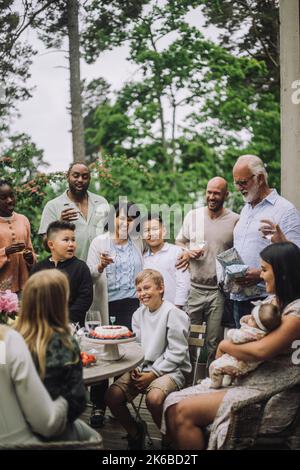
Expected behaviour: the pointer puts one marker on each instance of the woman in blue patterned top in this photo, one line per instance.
(114, 259)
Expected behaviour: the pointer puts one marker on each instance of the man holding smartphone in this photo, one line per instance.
(86, 210)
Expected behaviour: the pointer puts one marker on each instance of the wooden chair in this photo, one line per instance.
(196, 339)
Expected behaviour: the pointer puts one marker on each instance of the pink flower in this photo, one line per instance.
(9, 305)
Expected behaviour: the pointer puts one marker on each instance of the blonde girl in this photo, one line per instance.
(43, 323)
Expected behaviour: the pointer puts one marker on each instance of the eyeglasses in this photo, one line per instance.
(243, 182)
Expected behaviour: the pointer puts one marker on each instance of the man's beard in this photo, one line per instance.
(78, 192)
(216, 207)
(251, 195)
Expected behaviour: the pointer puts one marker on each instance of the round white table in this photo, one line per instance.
(131, 355)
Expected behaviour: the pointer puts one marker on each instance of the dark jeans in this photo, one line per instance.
(241, 308)
(227, 318)
(123, 310)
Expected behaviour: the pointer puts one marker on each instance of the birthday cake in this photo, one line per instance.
(111, 332)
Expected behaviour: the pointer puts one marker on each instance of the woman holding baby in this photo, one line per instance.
(190, 411)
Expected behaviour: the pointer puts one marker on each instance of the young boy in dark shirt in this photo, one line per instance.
(60, 241)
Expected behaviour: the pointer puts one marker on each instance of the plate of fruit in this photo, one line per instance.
(87, 359)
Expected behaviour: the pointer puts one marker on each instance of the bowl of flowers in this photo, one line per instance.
(9, 306)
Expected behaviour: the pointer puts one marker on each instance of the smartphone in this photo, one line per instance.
(72, 205)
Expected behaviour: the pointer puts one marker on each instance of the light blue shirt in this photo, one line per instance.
(122, 273)
(247, 238)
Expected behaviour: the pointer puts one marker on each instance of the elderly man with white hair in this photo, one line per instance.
(265, 213)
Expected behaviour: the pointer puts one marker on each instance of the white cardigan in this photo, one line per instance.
(98, 245)
(25, 406)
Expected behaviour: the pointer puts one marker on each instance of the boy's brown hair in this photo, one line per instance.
(152, 274)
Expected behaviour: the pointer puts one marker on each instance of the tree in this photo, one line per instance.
(15, 61)
(75, 82)
(59, 20)
(108, 25)
(225, 107)
(26, 158)
(170, 80)
(251, 28)
(21, 163)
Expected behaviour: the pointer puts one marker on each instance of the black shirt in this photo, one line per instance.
(80, 281)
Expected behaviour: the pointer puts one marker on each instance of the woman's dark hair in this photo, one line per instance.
(285, 261)
(131, 210)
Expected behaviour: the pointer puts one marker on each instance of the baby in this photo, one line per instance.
(263, 319)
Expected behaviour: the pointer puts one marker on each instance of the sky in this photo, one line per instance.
(44, 117)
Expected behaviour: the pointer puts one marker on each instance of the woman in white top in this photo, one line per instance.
(26, 408)
(115, 259)
(28, 415)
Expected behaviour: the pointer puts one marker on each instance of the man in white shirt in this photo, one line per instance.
(265, 213)
(86, 210)
(163, 257)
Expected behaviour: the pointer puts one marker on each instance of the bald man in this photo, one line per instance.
(214, 224)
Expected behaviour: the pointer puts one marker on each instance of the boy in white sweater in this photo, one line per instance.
(162, 330)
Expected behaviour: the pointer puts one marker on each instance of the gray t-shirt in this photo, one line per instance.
(86, 229)
(218, 233)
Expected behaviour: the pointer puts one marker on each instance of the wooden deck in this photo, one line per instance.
(114, 435)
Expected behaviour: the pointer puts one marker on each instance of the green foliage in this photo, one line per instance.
(51, 24)
(223, 96)
(15, 60)
(19, 164)
(190, 110)
(251, 28)
(121, 176)
(107, 24)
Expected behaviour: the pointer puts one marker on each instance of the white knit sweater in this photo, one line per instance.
(163, 335)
